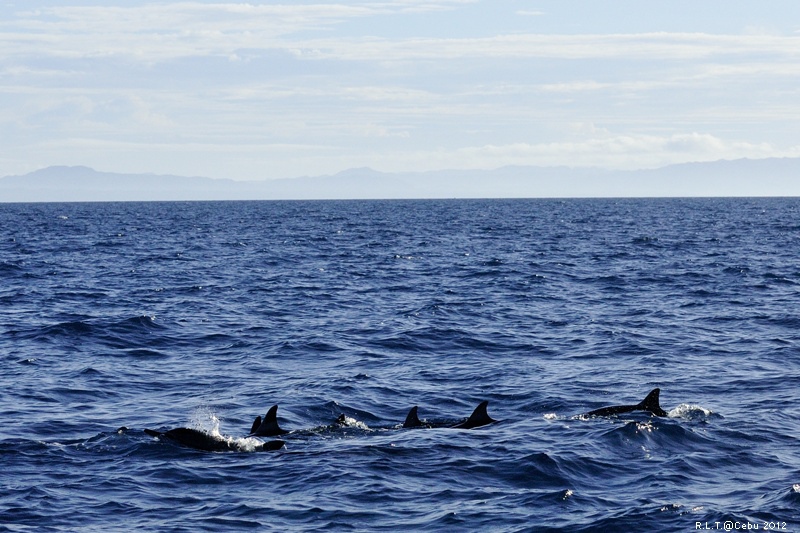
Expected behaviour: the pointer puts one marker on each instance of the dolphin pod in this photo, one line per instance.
(269, 427)
(479, 417)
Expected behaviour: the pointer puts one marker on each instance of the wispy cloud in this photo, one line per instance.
(183, 29)
(158, 32)
(302, 88)
(616, 151)
(651, 46)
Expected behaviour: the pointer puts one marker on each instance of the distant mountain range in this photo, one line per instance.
(741, 177)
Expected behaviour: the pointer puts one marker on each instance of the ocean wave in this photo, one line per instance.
(204, 315)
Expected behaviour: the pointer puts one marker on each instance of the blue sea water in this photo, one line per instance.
(116, 317)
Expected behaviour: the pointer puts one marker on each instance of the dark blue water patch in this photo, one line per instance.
(143, 352)
(65, 329)
(11, 269)
(653, 437)
(122, 334)
(539, 470)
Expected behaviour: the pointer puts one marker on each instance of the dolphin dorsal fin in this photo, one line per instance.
(481, 414)
(651, 403)
(269, 426)
(412, 420)
(479, 417)
(256, 425)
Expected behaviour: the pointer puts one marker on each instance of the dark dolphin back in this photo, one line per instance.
(193, 438)
(272, 445)
(649, 404)
(200, 440)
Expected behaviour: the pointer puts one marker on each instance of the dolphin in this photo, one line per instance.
(201, 440)
(479, 417)
(269, 426)
(649, 404)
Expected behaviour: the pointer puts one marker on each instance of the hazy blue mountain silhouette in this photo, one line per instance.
(742, 177)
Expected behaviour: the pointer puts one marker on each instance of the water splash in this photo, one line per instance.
(353, 423)
(690, 412)
(205, 419)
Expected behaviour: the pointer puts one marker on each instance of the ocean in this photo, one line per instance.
(121, 317)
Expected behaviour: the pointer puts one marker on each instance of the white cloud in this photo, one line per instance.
(417, 6)
(155, 32)
(650, 46)
(625, 152)
(190, 17)
(273, 89)
(387, 94)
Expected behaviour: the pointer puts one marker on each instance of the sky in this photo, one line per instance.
(265, 90)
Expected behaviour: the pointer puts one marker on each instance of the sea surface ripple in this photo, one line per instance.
(116, 317)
